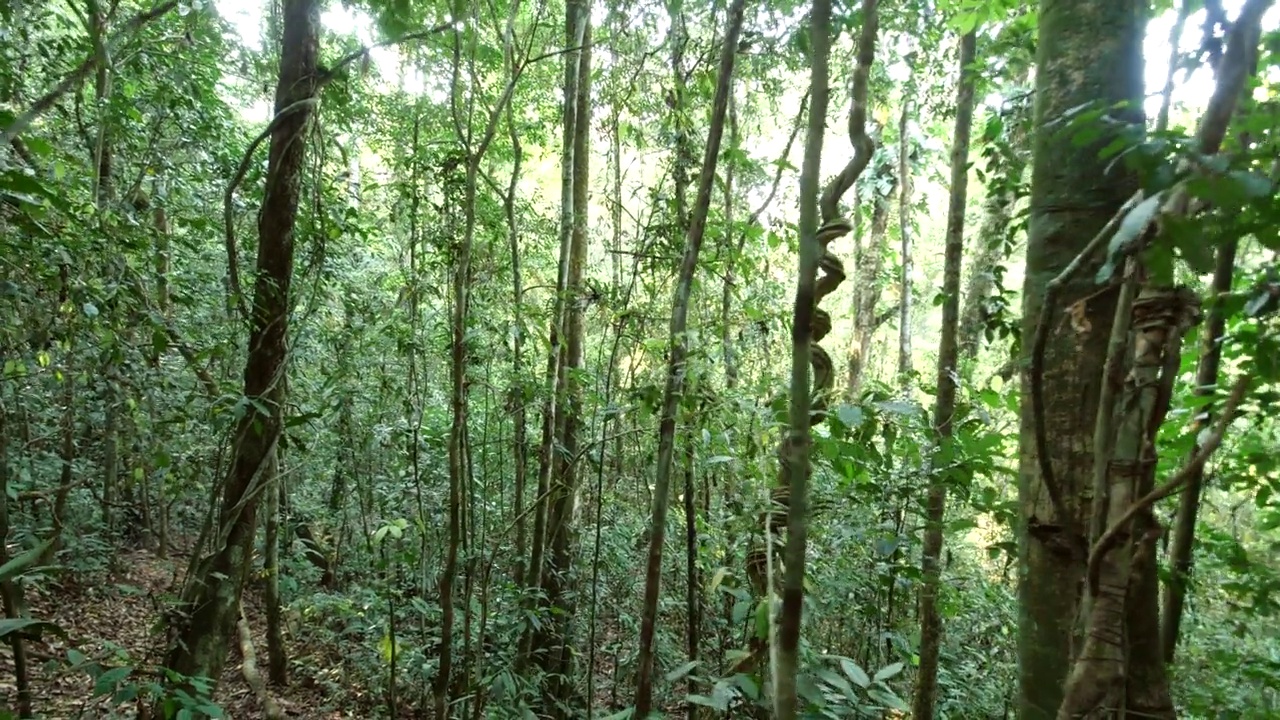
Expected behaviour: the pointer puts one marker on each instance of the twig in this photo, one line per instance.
(352, 57)
(1196, 463)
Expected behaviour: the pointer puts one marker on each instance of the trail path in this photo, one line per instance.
(111, 621)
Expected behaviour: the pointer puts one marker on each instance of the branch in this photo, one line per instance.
(77, 76)
(233, 263)
(1108, 540)
(786, 153)
(1236, 65)
(365, 50)
(863, 145)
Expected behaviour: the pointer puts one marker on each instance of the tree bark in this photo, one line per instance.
(213, 593)
(948, 369)
(868, 266)
(1088, 52)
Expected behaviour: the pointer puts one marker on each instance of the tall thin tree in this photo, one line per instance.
(678, 348)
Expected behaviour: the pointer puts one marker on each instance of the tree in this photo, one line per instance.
(1089, 52)
(948, 376)
(212, 595)
(677, 349)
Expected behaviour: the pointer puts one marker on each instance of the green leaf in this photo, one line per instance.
(1131, 227)
(680, 672)
(108, 680)
(23, 562)
(855, 673)
(12, 625)
(888, 671)
(705, 701)
(850, 415)
(888, 699)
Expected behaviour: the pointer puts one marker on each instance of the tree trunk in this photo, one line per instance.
(869, 264)
(277, 655)
(673, 390)
(213, 594)
(994, 242)
(558, 657)
(10, 591)
(948, 368)
(1089, 51)
(905, 228)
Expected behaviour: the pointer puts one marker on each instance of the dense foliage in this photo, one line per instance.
(465, 225)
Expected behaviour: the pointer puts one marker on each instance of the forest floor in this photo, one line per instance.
(103, 619)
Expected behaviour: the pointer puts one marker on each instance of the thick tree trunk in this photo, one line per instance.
(1089, 52)
(213, 594)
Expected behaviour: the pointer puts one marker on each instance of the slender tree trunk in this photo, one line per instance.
(693, 586)
(948, 368)
(11, 592)
(213, 594)
(673, 391)
(519, 387)
(994, 242)
(905, 225)
(1184, 527)
(559, 658)
(811, 323)
(277, 654)
(869, 265)
(66, 450)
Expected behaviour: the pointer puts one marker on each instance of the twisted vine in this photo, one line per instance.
(831, 274)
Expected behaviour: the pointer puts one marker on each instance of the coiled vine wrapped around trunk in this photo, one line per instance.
(831, 274)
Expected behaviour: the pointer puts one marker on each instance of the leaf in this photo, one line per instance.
(680, 672)
(850, 415)
(12, 625)
(108, 680)
(20, 564)
(855, 673)
(899, 407)
(621, 715)
(721, 574)
(762, 619)
(888, 699)
(90, 310)
(888, 671)
(747, 685)
(1131, 227)
(718, 459)
(705, 701)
